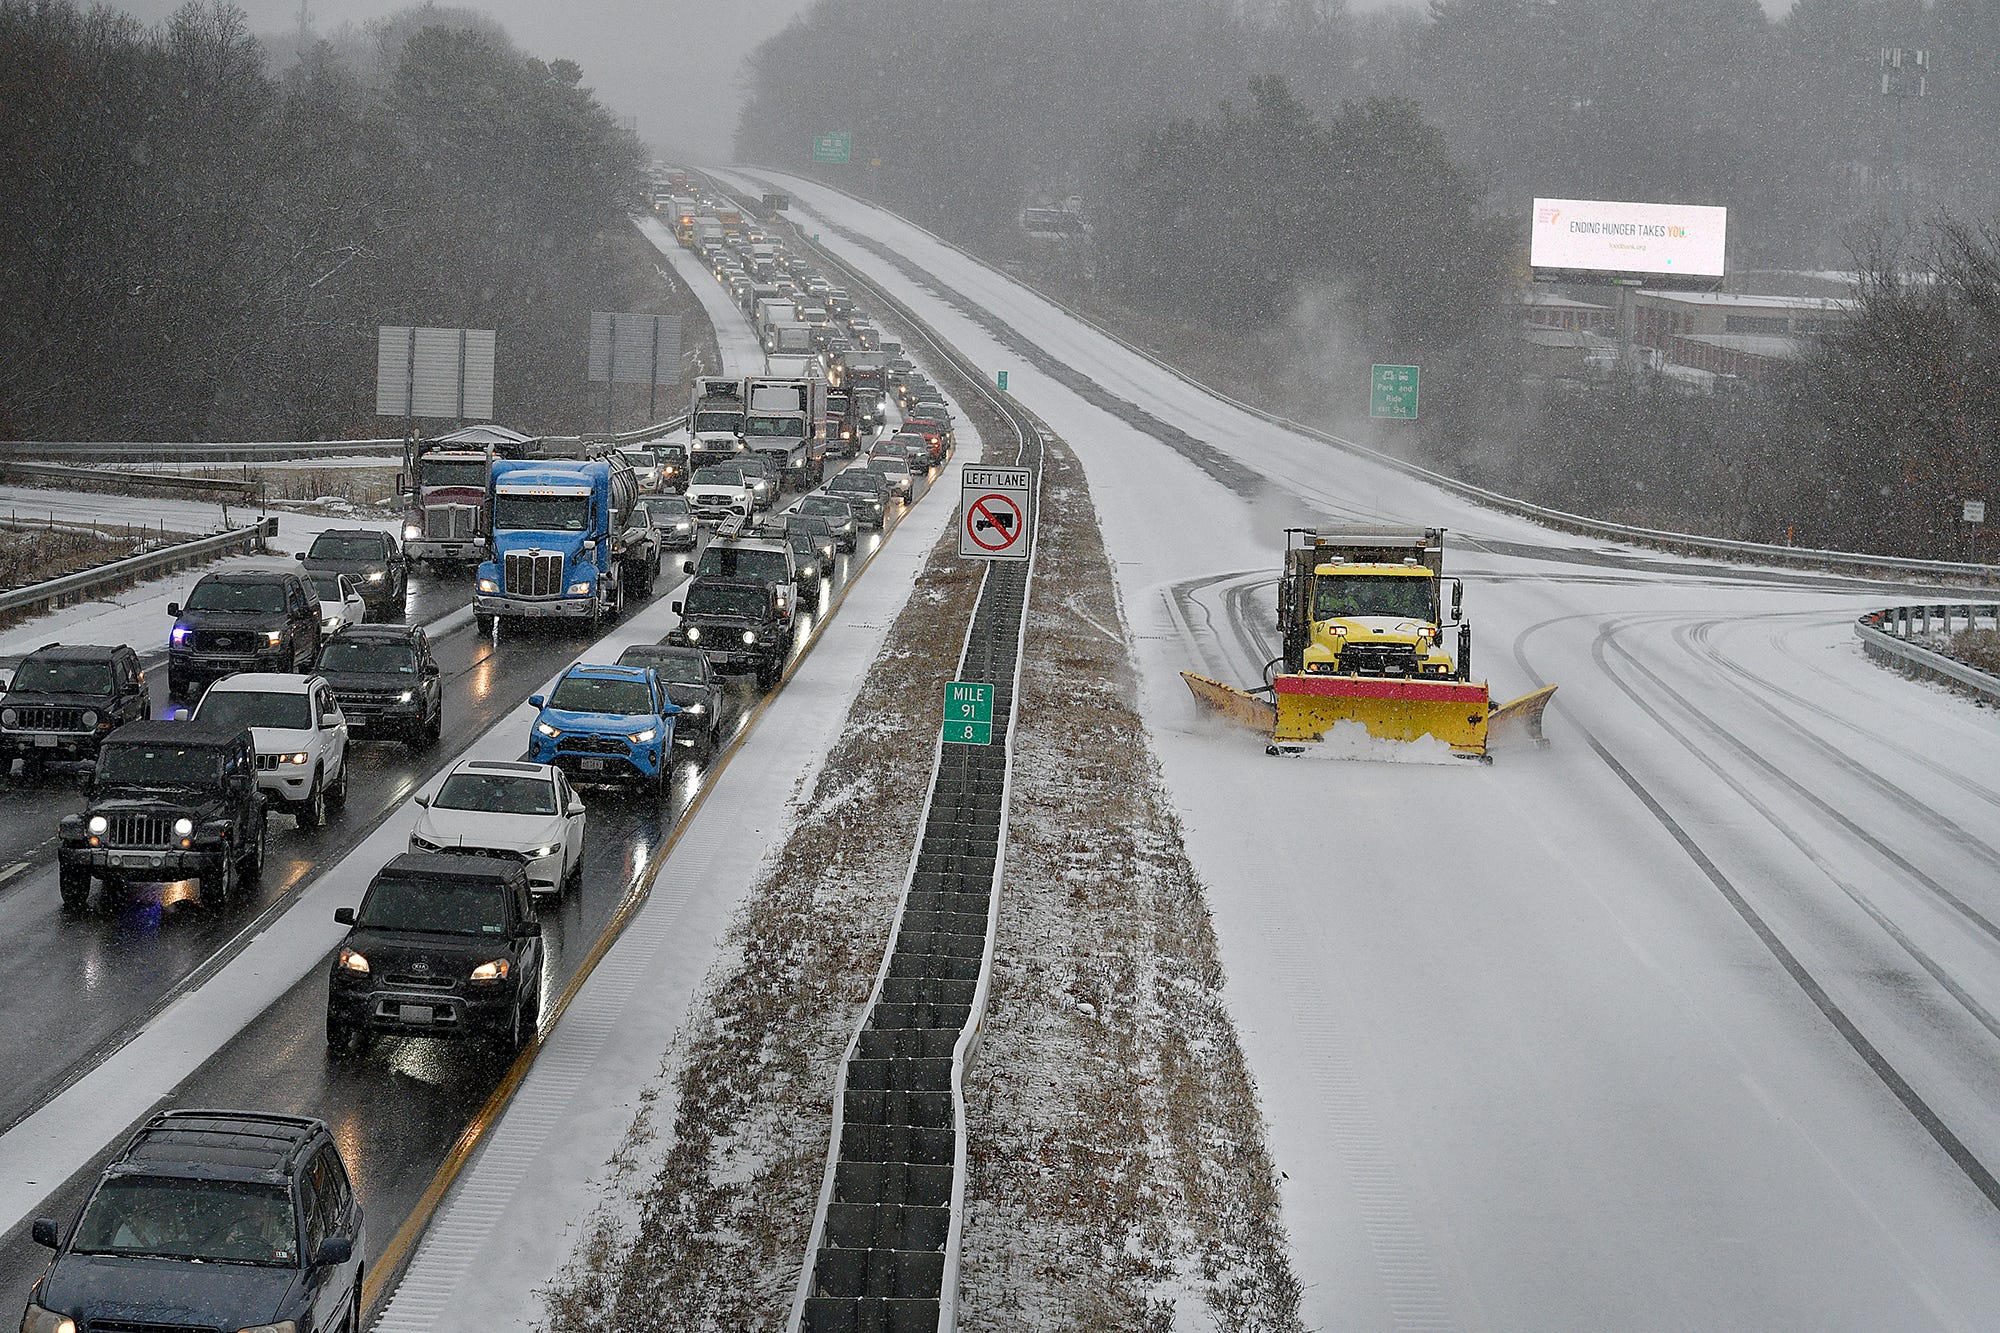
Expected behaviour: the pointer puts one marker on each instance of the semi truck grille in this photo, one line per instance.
(533, 574)
(51, 719)
(450, 522)
(139, 830)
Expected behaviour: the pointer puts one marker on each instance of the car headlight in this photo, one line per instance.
(418, 844)
(350, 961)
(282, 1326)
(412, 531)
(696, 709)
(489, 585)
(38, 1320)
(274, 637)
(406, 696)
(494, 971)
(541, 852)
(808, 572)
(694, 633)
(682, 526)
(300, 758)
(183, 828)
(376, 575)
(89, 717)
(579, 589)
(99, 826)
(545, 729)
(641, 737)
(179, 635)
(9, 717)
(749, 636)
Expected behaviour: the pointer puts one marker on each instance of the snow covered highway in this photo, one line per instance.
(1686, 1021)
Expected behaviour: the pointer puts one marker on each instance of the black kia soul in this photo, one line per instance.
(210, 1220)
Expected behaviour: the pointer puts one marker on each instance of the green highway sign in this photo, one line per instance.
(835, 147)
(968, 733)
(1003, 380)
(1392, 392)
(968, 713)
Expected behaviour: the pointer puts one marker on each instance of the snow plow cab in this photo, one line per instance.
(1364, 625)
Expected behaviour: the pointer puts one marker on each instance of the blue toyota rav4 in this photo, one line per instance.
(608, 724)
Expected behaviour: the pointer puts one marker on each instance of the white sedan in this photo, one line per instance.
(510, 810)
(339, 602)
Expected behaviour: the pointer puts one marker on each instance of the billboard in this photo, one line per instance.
(1659, 244)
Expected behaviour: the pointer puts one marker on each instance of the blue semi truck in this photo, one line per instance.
(569, 542)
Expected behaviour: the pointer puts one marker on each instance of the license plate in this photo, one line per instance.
(416, 1013)
(45, 742)
(593, 765)
(135, 858)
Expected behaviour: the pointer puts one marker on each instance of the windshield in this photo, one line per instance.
(671, 453)
(716, 476)
(497, 794)
(587, 694)
(56, 675)
(217, 1221)
(255, 708)
(682, 667)
(346, 546)
(722, 599)
(541, 513)
(830, 509)
(442, 906)
(160, 766)
(1405, 597)
(713, 423)
(468, 472)
(736, 562)
(327, 587)
(666, 506)
(364, 655)
(221, 595)
(639, 458)
(859, 482)
(783, 427)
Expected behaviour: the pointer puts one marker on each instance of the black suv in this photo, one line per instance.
(169, 801)
(441, 946)
(386, 682)
(63, 701)
(372, 559)
(738, 623)
(246, 620)
(692, 685)
(210, 1220)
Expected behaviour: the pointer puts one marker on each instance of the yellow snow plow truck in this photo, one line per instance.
(1362, 620)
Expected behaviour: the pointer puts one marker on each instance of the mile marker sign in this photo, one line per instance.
(993, 513)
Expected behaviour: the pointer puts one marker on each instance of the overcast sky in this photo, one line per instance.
(674, 64)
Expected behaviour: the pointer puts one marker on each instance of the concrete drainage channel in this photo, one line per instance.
(884, 1252)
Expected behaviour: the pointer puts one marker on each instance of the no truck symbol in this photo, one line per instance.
(993, 521)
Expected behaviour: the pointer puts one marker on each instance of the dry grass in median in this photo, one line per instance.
(1119, 1174)
(716, 1183)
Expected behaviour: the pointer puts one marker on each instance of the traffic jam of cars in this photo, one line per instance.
(304, 702)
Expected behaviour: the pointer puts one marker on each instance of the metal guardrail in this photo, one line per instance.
(270, 451)
(1887, 636)
(88, 583)
(1681, 543)
(887, 1230)
(12, 468)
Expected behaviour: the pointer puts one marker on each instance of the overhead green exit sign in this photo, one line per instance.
(836, 147)
(968, 713)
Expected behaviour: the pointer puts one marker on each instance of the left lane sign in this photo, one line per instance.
(993, 513)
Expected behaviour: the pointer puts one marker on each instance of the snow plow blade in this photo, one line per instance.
(1453, 711)
(1522, 716)
(1232, 703)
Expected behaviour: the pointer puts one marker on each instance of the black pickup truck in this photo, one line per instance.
(246, 620)
(168, 801)
(738, 622)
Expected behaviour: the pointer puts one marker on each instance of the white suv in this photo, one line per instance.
(300, 734)
(511, 810)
